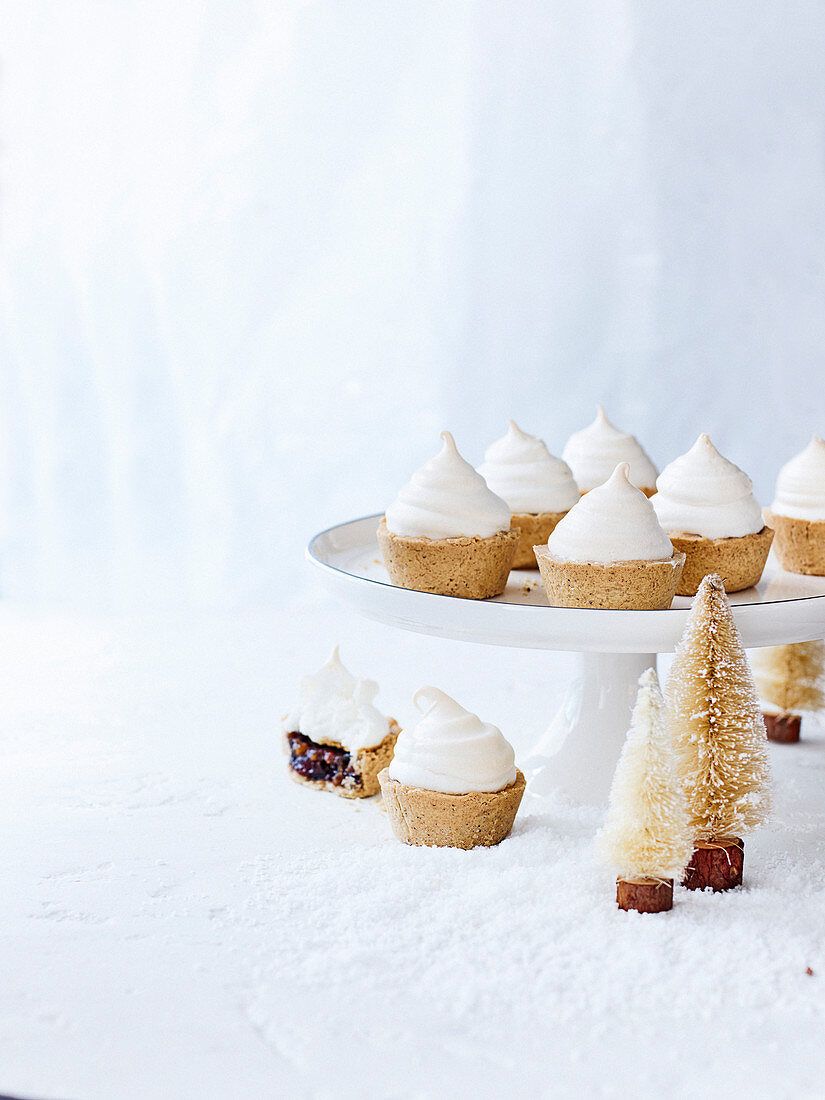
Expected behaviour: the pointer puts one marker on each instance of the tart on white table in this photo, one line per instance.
(579, 751)
(452, 781)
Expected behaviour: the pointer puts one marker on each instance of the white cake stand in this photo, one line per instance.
(578, 753)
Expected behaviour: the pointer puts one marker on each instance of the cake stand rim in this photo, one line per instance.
(526, 626)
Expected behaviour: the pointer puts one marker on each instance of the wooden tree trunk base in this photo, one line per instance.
(782, 728)
(645, 895)
(716, 864)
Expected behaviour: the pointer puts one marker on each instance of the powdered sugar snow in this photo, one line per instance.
(181, 919)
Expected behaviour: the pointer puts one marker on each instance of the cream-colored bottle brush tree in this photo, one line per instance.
(791, 682)
(646, 837)
(719, 737)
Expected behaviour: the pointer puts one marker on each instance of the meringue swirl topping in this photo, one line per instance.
(592, 455)
(447, 498)
(612, 523)
(520, 469)
(451, 750)
(334, 708)
(702, 493)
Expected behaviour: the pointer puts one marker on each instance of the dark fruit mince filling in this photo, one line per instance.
(321, 762)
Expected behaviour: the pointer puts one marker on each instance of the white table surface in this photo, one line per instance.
(179, 919)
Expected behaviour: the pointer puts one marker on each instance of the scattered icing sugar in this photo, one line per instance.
(289, 917)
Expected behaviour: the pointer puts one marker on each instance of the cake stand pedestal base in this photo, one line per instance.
(579, 752)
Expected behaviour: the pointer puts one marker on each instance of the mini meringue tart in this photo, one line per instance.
(538, 487)
(797, 513)
(610, 552)
(447, 532)
(594, 452)
(452, 782)
(335, 737)
(706, 505)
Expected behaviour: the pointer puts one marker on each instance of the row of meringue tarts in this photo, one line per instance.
(704, 506)
(617, 548)
(456, 531)
(541, 489)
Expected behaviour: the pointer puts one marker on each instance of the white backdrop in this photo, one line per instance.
(255, 256)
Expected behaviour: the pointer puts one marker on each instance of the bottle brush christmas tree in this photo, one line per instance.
(646, 837)
(790, 680)
(719, 737)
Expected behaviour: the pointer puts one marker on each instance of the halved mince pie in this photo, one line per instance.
(335, 738)
(331, 767)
